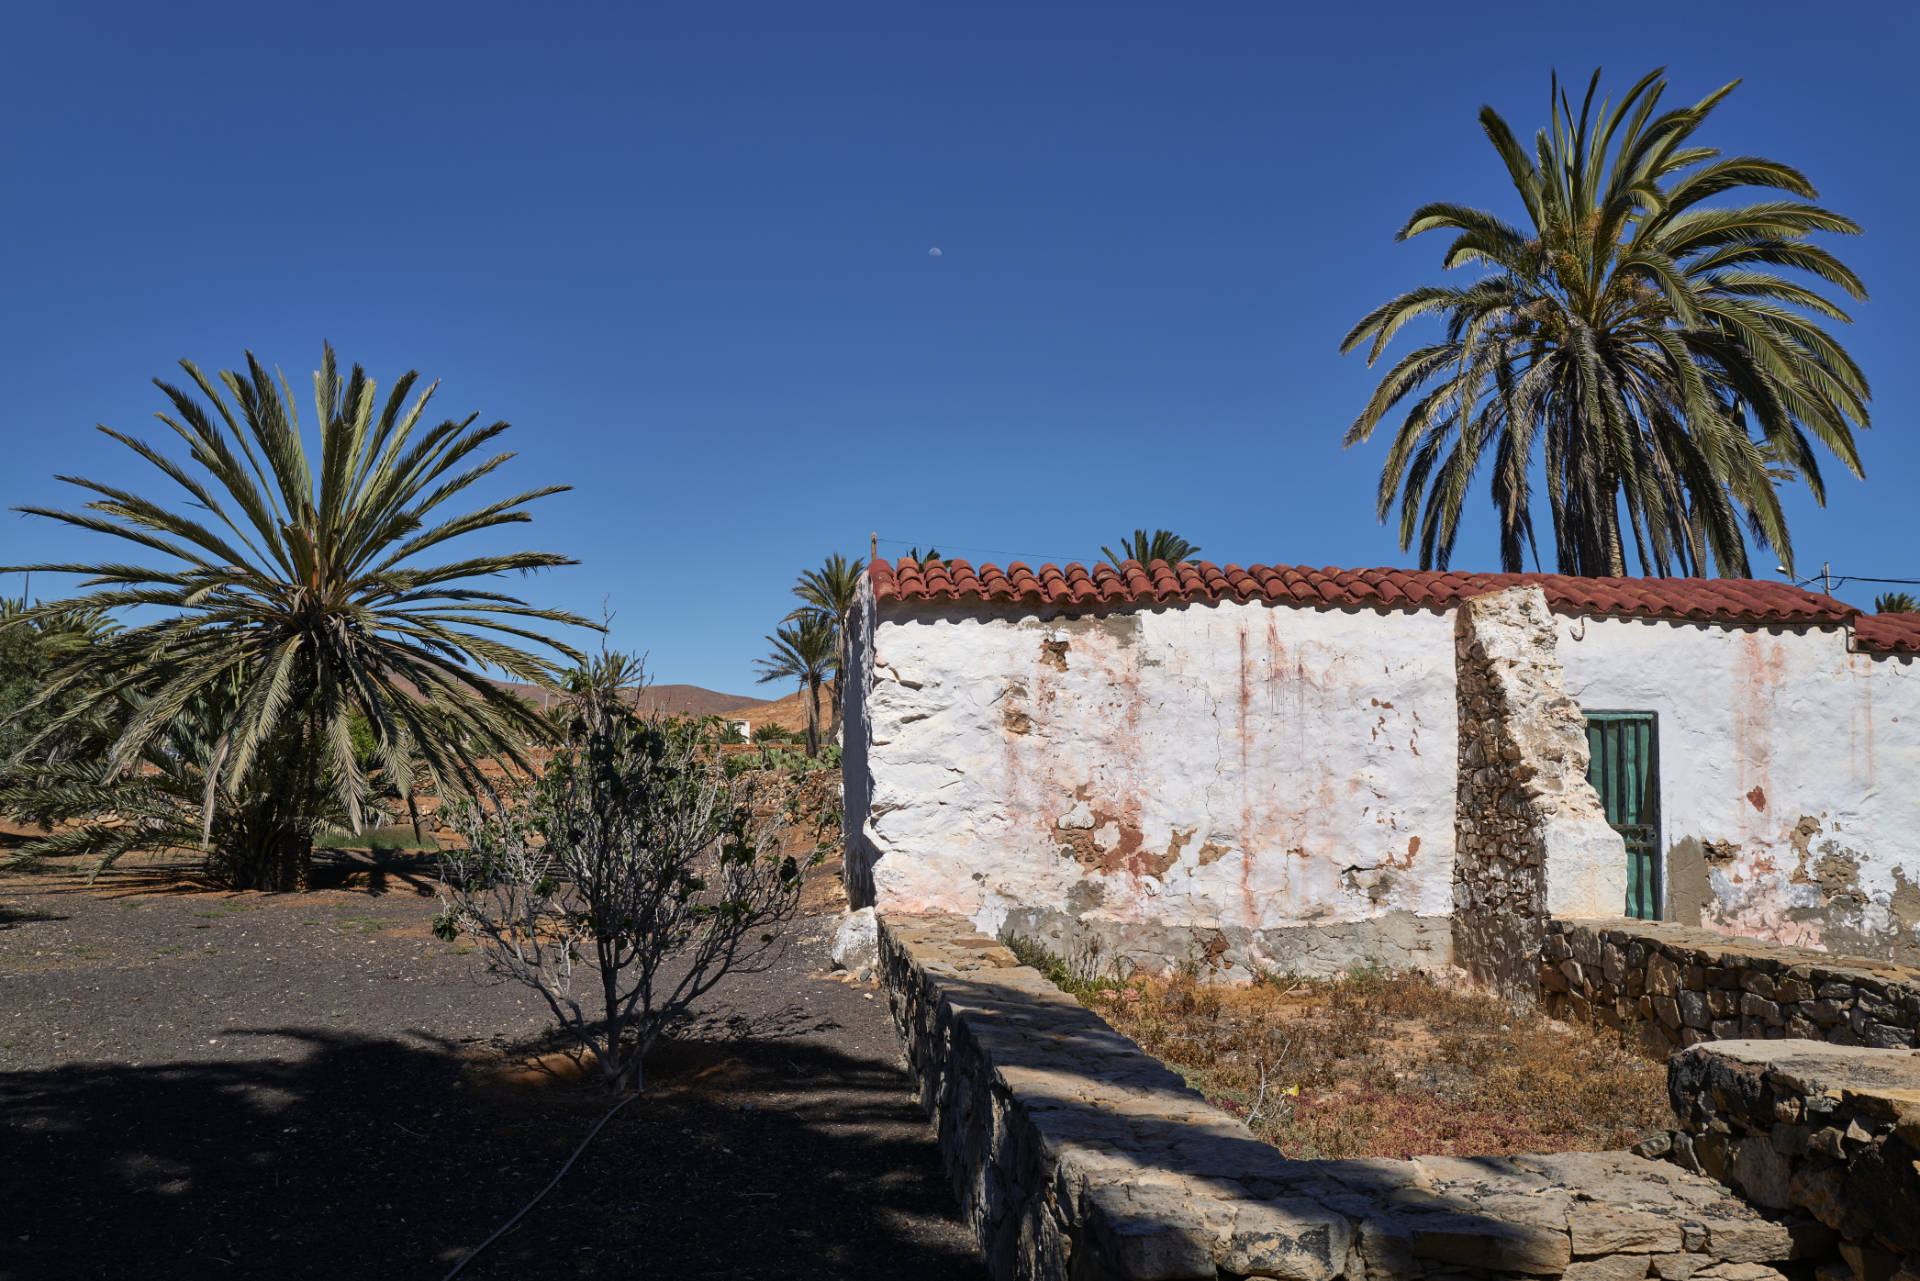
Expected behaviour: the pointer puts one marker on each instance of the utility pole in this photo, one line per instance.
(873, 546)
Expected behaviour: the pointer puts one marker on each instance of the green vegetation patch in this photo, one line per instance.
(398, 837)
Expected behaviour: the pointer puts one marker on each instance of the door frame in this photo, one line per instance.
(1657, 819)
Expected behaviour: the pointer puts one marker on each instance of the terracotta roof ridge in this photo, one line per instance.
(1742, 600)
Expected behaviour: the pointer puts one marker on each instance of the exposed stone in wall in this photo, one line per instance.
(1234, 953)
(1530, 837)
(856, 780)
(1679, 985)
(1075, 1156)
(1828, 1134)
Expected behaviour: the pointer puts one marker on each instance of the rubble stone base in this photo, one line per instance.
(1075, 1156)
(1676, 985)
(1825, 1131)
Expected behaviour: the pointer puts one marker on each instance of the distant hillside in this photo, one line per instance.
(666, 700)
(788, 713)
(691, 700)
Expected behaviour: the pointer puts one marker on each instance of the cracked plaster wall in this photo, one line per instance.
(1790, 776)
(1236, 783)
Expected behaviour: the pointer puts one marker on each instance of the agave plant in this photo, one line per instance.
(312, 595)
(1636, 344)
(1162, 544)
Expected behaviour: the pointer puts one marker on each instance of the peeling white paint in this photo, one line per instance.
(1230, 765)
(1761, 731)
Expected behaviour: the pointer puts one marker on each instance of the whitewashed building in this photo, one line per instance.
(1273, 766)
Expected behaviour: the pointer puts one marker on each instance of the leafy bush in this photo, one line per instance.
(633, 876)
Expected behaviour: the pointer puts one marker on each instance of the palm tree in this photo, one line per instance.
(29, 650)
(1896, 603)
(1161, 545)
(599, 692)
(921, 558)
(1634, 343)
(831, 591)
(803, 650)
(308, 593)
(158, 805)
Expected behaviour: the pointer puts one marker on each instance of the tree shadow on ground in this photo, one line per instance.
(381, 1157)
(374, 872)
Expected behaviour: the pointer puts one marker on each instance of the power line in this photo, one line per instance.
(1861, 578)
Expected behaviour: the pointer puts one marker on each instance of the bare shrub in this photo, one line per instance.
(625, 883)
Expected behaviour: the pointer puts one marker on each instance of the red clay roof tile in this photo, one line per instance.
(1738, 600)
(1888, 633)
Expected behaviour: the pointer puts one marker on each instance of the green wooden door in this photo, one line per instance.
(1625, 769)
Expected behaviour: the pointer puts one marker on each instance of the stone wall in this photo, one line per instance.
(1075, 1156)
(1829, 1134)
(1529, 834)
(1677, 986)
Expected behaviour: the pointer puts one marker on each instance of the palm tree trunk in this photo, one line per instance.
(813, 718)
(296, 869)
(1615, 551)
(834, 703)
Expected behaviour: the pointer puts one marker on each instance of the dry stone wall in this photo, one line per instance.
(1529, 834)
(1677, 985)
(1075, 1156)
(1829, 1134)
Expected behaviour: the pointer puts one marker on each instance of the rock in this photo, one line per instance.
(856, 944)
(1867, 1262)
(1618, 1267)
(1659, 1143)
(1474, 1241)
(1156, 1237)
(1739, 1272)
(1293, 1240)
(1761, 1172)
(1821, 1193)
(1678, 1267)
(1663, 976)
(1747, 1238)
(1599, 1228)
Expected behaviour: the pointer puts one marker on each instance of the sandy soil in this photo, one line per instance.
(203, 1084)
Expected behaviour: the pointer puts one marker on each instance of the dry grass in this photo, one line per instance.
(1384, 1064)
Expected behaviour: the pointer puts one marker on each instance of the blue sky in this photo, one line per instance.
(684, 249)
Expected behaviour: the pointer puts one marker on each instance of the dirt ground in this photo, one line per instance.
(205, 1084)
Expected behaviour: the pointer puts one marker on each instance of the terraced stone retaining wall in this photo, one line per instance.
(1678, 986)
(1075, 1156)
(1827, 1131)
